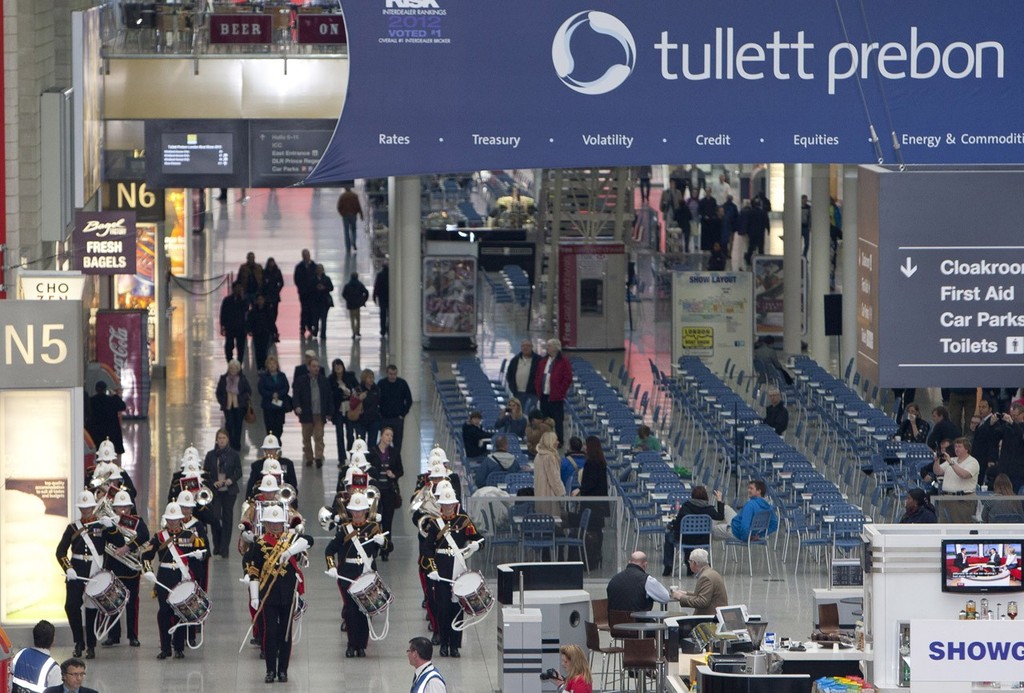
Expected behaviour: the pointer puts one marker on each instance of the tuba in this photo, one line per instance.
(287, 494)
(424, 501)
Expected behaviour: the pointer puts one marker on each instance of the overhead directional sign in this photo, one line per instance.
(941, 282)
(432, 86)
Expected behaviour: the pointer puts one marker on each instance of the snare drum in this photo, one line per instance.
(370, 593)
(189, 602)
(107, 592)
(471, 591)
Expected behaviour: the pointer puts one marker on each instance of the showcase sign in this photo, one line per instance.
(902, 86)
(104, 242)
(966, 650)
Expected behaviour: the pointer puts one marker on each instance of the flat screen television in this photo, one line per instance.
(975, 566)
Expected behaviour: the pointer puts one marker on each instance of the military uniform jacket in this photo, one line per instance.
(278, 583)
(202, 537)
(440, 553)
(161, 547)
(81, 555)
(135, 534)
(341, 552)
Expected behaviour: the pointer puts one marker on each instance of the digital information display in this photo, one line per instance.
(197, 152)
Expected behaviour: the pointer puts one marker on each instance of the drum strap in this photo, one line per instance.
(353, 535)
(460, 562)
(97, 565)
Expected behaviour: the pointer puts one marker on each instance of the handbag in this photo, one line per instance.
(250, 414)
(355, 408)
(287, 404)
(398, 498)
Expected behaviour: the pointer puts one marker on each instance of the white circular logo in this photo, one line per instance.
(599, 23)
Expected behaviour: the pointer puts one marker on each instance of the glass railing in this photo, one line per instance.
(513, 536)
(216, 30)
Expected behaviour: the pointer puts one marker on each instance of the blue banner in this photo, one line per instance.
(458, 85)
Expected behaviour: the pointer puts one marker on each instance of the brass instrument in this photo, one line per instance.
(287, 494)
(132, 559)
(425, 501)
(204, 496)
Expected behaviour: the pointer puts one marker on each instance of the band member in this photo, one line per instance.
(425, 510)
(195, 520)
(437, 469)
(269, 493)
(107, 478)
(191, 455)
(126, 565)
(451, 539)
(86, 539)
(189, 479)
(119, 480)
(171, 547)
(350, 554)
(275, 584)
(271, 450)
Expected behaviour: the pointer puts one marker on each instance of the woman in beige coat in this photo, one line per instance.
(547, 480)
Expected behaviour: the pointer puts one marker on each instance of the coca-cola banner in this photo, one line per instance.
(122, 344)
(104, 242)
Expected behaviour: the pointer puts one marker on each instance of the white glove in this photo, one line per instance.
(72, 575)
(433, 575)
(254, 595)
(300, 529)
(380, 539)
(248, 537)
(470, 548)
(332, 572)
(106, 522)
(197, 554)
(298, 546)
(148, 576)
(244, 579)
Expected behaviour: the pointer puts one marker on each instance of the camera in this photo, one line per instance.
(548, 675)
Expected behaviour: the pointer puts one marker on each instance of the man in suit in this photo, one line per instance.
(710, 590)
(72, 673)
(313, 404)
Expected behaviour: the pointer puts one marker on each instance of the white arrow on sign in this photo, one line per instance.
(908, 268)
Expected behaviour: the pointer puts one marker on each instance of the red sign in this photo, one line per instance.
(240, 28)
(567, 298)
(122, 344)
(321, 28)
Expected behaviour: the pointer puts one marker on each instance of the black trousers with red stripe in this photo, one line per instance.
(131, 610)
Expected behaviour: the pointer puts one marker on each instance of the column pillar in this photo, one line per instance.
(817, 342)
(791, 252)
(848, 258)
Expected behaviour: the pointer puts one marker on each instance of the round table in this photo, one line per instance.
(657, 629)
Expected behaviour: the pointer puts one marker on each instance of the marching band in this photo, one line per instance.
(108, 551)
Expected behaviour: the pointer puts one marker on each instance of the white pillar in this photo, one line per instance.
(817, 342)
(848, 253)
(792, 249)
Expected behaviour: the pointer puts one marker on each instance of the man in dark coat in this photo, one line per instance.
(234, 311)
(521, 375)
(305, 281)
(381, 292)
(313, 404)
(104, 423)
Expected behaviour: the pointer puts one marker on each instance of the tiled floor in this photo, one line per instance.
(184, 412)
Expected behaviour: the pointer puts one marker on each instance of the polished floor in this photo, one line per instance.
(184, 412)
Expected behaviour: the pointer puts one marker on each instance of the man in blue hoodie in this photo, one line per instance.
(737, 524)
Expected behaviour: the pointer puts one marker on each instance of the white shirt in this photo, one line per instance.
(434, 685)
(547, 375)
(523, 372)
(951, 481)
(656, 590)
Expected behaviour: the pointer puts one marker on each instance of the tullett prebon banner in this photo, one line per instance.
(456, 85)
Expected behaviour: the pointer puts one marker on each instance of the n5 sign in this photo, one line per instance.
(41, 344)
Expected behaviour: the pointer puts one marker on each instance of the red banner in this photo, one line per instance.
(122, 343)
(240, 28)
(321, 28)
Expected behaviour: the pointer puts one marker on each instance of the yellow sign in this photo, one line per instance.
(698, 337)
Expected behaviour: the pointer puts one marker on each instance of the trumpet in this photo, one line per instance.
(204, 496)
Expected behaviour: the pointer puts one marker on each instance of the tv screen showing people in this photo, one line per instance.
(981, 566)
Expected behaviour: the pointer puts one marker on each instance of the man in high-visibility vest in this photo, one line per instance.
(33, 669)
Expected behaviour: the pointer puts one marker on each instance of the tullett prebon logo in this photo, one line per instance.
(566, 65)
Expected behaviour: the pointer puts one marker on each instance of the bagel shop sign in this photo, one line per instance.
(104, 242)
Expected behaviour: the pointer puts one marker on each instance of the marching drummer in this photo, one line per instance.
(270, 450)
(451, 539)
(350, 554)
(275, 587)
(86, 539)
(171, 547)
(126, 566)
(198, 565)
(424, 512)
